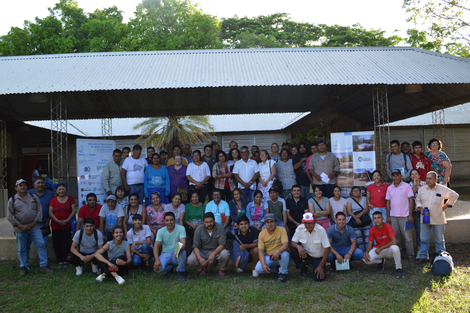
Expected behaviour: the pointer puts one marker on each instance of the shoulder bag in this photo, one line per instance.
(365, 218)
(277, 184)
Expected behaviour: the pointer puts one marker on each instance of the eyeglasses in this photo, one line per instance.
(434, 144)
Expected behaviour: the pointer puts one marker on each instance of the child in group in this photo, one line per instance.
(139, 238)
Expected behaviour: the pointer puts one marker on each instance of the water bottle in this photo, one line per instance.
(426, 216)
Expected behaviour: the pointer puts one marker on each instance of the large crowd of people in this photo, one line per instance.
(227, 209)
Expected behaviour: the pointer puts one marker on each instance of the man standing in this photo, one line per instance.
(299, 161)
(324, 162)
(398, 160)
(272, 249)
(209, 246)
(296, 207)
(400, 207)
(343, 242)
(168, 237)
(45, 196)
(276, 206)
(163, 157)
(246, 173)
(386, 245)
(188, 153)
(112, 173)
(433, 196)
(310, 242)
(215, 148)
(313, 150)
(126, 151)
(91, 209)
(25, 214)
(220, 209)
(150, 152)
(210, 160)
(132, 173)
(176, 151)
(405, 148)
(420, 161)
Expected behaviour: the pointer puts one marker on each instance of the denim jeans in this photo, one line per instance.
(168, 260)
(327, 189)
(145, 249)
(358, 254)
(138, 189)
(315, 262)
(248, 195)
(28, 246)
(283, 263)
(384, 214)
(438, 231)
(417, 225)
(305, 192)
(22, 241)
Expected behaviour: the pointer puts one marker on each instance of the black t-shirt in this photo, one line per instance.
(297, 209)
(300, 174)
(250, 237)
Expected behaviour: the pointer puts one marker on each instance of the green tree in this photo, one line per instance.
(167, 131)
(355, 36)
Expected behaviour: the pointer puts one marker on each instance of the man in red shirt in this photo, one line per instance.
(386, 245)
(420, 161)
(91, 209)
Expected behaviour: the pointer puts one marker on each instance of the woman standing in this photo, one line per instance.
(356, 208)
(156, 179)
(337, 203)
(237, 207)
(121, 197)
(132, 209)
(155, 213)
(275, 156)
(178, 181)
(376, 193)
(439, 161)
(223, 177)
(255, 211)
(320, 207)
(198, 174)
(177, 208)
(294, 150)
(234, 156)
(193, 218)
(61, 212)
(285, 172)
(267, 172)
(416, 183)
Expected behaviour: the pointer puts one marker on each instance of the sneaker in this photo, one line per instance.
(282, 278)
(100, 278)
(79, 270)
(94, 268)
(255, 273)
(46, 270)
(120, 280)
(304, 272)
(221, 273)
(203, 271)
(400, 273)
(24, 271)
(380, 266)
(239, 270)
(181, 276)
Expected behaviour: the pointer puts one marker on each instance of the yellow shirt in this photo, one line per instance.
(172, 161)
(315, 242)
(273, 242)
(433, 199)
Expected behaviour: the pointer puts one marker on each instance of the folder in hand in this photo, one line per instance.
(178, 247)
(342, 267)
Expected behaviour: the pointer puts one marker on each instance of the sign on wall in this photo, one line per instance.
(356, 154)
(92, 156)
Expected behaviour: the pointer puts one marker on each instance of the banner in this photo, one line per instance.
(92, 156)
(356, 154)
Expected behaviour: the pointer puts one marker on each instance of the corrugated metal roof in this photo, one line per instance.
(459, 114)
(229, 68)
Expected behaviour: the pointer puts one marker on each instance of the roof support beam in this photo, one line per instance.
(369, 104)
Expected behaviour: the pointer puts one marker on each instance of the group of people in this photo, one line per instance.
(262, 209)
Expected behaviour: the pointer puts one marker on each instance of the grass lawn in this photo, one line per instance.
(362, 289)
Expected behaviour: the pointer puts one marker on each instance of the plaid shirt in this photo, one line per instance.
(219, 183)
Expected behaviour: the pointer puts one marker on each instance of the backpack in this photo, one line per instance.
(13, 198)
(442, 264)
(95, 233)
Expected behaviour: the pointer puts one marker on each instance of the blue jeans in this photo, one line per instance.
(248, 195)
(314, 262)
(23, 252)
(168, 260)
(358, 254)
(305, 192)
(327, 189)
(438, 231)
(283, 263)
(145, 249)
(280, 223)
(138, 189)
(417, 224)
(384, 214)
(28, 246)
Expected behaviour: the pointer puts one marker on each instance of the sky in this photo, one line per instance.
(387, 15)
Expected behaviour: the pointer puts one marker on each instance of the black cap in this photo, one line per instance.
(396, 171)
(137, 147)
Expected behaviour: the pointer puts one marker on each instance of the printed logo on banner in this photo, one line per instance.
(85, 189)
(92, 154)
(82, 176)
(98, 168)
(80, 148)
(87, 169)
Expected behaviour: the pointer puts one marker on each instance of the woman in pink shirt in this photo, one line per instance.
(376, 195)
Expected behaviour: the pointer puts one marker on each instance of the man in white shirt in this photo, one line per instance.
(132, 173)
(246, 173)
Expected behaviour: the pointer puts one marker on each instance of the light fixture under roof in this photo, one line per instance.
(38, 97)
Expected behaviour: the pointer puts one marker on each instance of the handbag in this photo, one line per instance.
(277, 184)
(182, 191)
(365, 218)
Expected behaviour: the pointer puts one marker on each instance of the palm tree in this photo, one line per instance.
(171, 130)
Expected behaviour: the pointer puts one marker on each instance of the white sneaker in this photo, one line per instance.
(79, 270)
(120, 280)
(239, 270)
(94, 268)
(255, 273)
(100, 278)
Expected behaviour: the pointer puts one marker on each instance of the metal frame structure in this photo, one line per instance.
(59, 140)
(439, 124)
(3, 154)
(107, 128)
(381, 126)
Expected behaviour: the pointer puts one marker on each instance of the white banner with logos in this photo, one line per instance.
(356, 154)
(92, 156)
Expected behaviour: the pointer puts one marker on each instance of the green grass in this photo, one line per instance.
(363, 289)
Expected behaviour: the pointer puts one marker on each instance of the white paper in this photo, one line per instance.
(325, 178)
(342, 267)
(180, 245)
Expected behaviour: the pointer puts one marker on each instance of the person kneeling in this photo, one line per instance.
(209, 246)
(168, 237)
(118, 259)
(85, 243)
(139, 238)
(245, 245)
(274, 240)
(310, 242)
(386, 247)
